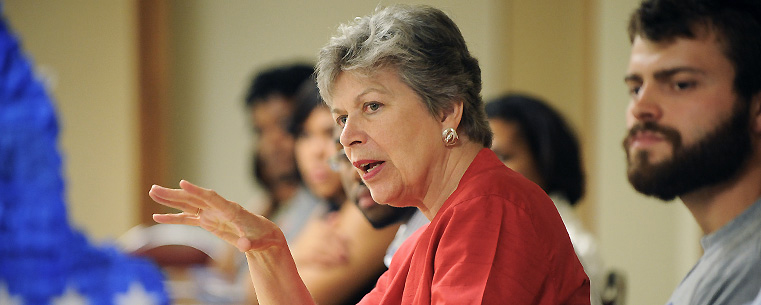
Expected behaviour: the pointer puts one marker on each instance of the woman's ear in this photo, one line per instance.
(452, 116)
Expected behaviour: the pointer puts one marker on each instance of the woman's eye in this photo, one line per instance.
(373, 106)
(341, 121)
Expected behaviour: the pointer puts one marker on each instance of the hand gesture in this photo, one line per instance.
(225, 219)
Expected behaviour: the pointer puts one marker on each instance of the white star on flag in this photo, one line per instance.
(135, 295)
(6, 297)
(70, 297)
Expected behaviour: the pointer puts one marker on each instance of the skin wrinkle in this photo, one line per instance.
(349, 103)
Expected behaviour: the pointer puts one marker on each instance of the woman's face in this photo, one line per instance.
(513, 150)
(389, 136)
(275, 145)
(314, 146)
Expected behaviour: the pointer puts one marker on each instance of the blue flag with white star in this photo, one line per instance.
(43, 260)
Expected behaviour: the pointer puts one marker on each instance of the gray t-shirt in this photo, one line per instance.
(758, 299)
(730, 270)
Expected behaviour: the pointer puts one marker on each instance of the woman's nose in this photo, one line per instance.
(351, 134)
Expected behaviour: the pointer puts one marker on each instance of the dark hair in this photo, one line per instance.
(550, 139)
(283, 80)
(307, 100)
(737, 24)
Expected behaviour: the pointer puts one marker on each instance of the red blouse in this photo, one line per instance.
(498, 239)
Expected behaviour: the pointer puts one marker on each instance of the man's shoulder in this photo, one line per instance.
(731, 275)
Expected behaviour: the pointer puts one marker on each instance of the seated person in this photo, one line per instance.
(271, 102)
(345, 231)
(533, 139)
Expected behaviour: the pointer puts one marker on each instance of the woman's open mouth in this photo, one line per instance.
(369, 168)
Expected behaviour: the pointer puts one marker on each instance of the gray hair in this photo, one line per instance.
(425, 47)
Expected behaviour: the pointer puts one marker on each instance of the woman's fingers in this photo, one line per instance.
(181, 219)
(210, 198)
(180, 205)
(177, 198)
(212, 212)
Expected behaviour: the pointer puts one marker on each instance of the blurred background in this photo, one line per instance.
(151, 92)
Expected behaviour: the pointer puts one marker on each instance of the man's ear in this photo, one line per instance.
(451, 117)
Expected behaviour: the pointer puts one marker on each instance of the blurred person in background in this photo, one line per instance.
(216, 270)
(534, 140)
(340, 255)
(380, 216)
(271, 103)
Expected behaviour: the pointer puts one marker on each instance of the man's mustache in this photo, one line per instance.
(670, 134)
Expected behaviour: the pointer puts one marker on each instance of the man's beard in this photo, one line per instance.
(715, 158)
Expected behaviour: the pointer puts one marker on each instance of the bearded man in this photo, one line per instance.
(694, 120)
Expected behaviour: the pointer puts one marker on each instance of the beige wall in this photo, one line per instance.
(573, 53)
(87, 49)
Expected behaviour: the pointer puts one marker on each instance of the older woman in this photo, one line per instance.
(404, 88)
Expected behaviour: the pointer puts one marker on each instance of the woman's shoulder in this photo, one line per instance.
(488, 175)
(488, 182)
(500, 183)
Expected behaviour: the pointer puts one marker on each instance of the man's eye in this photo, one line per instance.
(683, 85)
(634, 90)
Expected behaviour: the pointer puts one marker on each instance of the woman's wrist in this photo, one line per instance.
(275, 276)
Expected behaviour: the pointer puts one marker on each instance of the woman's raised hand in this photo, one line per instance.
(225, 219)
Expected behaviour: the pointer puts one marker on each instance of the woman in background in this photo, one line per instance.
(534, 140)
